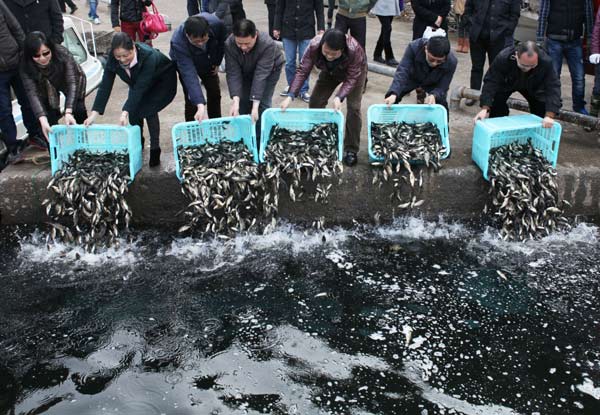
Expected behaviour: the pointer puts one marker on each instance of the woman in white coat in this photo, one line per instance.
(386, 10)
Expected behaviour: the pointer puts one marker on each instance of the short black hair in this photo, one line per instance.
(121, 40)
(438, 46)
(244, 28)
(335, 39)
(196, 26)
(33, 42)
(529, 48)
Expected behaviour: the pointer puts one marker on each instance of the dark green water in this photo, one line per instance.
(412, 318)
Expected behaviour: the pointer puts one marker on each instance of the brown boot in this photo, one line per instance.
(466, 45)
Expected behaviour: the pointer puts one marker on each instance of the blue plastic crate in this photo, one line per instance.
(65, 140)
(496, 132)
(409, 113)
(193, 133)
(301, 120)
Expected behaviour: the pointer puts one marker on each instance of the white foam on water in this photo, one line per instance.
(419, 228)
(35, 249)
(588, 387)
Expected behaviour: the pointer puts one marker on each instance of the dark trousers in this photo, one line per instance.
(384, 43)
(500, 107)
(213, 97)
(153, 128)
(8, 80)
(79, 113)
(330, 9)
(596, 90)
(357, 27)
(265, 102)
(69, 3)
(237, 13)
(479, 49)
(322, 91)
(271, 15)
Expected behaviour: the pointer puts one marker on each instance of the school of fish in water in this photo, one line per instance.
(87, 199)
(524, 199)
(396, 145)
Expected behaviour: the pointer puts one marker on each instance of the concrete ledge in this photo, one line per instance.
(458, 190)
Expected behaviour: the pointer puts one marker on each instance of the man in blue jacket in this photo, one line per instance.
(427, 65)
(197, 48)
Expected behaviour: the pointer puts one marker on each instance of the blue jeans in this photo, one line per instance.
(12, 79)
(93, 5)
(290, 47)
(573, 51)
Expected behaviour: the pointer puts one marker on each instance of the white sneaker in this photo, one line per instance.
(97, 20)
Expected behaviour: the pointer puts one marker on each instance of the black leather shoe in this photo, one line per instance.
(154, 157)
(391, 62)
(350, 158)
(379, 59)
(470, 102)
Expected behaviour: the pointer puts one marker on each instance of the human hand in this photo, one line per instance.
(429, 99)
(337, 104)
(481, 115)
(254, 114)
(438, 21)
(90, 120)
(117, 28)
(285, 103)
(547, 122)
(276, 34)
(234, 111)
(124, 119)
(595, 58)
(320, 32)
(45, 125)
(199, 116)
(69, 119)
(390, 100)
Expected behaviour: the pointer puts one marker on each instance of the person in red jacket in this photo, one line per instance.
(342, 60)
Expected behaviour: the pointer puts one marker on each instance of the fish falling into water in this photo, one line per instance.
(524, 197)
(225, 188)
(294, 154)
(398, 144)
(87, 203)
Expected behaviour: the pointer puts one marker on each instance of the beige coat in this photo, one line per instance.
(459, 6)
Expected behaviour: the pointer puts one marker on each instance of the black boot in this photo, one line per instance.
(389, 56)
(154, 157)
(378, 52)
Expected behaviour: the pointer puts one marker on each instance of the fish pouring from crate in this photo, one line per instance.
(292, 155)
(524, 200)
(398, 144)
(87, 203)
(224, 186)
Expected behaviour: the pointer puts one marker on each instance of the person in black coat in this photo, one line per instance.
(39, 15)
(427, 64)
(432, 13)
(528, 70)
(152, 81)
(491, 25)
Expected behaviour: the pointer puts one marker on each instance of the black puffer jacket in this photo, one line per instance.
(127, 11)
(427, 12)
(11, 39)
(296, 18)
(64, 74)
(41, 15)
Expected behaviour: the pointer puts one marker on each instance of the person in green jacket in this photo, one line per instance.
(152, 81)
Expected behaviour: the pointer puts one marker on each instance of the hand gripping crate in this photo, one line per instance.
(496, 132)
(65, 140)
(193, 133)
(409, 113)
(299, 119)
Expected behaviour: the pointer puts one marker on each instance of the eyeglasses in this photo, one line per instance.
(44, 54)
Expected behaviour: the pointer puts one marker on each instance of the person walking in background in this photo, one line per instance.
(126, 16)
(218, 8)
(197, 49)
(432, 13)
(295, 23)
(461, 25)
(385, 10)
(64, 3)
(271, 10)
(92, 13)
(152, 82)
(48, 70)
(561, 26)
(39, 15)
(253, 63)
(342, 60)
(428, 64)
(595, 60)
(491, 25)
(352, 17)
(526, 69)
(331, 6)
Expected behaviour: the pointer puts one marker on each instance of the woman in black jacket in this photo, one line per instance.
(152, 86)
(47, 70)
(432, 13)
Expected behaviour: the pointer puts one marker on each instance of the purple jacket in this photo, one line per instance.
(351, 65)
